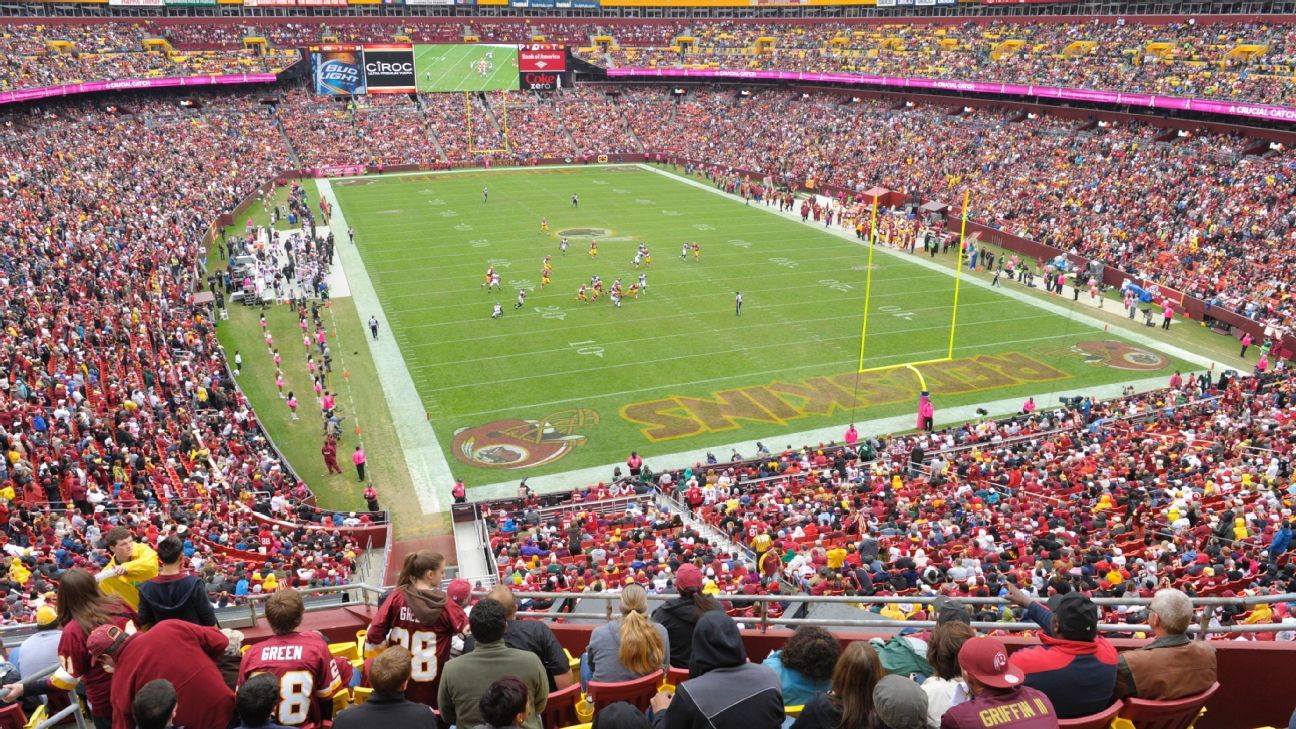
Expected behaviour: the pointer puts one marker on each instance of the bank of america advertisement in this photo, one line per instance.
(337, 70)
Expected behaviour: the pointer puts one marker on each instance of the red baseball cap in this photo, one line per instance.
(459, 589)
(986, 659)
(105, 640)
(688, 577)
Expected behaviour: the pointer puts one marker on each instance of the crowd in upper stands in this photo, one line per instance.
(1233, 61)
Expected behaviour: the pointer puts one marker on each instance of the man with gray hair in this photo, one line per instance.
(1172, 666)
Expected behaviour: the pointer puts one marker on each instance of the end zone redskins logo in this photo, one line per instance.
(1119, 355)
(515, 443)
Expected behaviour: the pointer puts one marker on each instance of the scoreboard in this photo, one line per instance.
(541, 66)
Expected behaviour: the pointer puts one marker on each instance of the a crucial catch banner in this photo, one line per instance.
(389, 68)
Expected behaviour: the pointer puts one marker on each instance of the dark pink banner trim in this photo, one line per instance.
(1257, 111)
(43, 92)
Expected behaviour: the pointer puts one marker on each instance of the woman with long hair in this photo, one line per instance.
(628, 647)
(418, 616)
(850, 703)
(81, 608)
(680, 616)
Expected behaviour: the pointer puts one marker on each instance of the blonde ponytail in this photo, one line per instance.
(642, 650)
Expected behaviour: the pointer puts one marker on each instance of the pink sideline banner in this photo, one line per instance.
(1256, 111)
(44, 92)
(338, 171)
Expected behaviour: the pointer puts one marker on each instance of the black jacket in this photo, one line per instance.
(388, 712)
(679, 616)
(724, 691)
(175, 597)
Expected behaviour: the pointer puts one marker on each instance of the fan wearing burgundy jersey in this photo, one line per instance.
(308, 676)
(418, 616)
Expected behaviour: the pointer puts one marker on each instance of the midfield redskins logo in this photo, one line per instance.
(1119, 355)
(516, 443)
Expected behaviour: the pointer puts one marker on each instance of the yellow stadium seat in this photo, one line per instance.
(36, 717)
(349, 651)
(341, 699)
(360, 642)
(244, 649)
(793, 710)
(359, 695)
(578, 726)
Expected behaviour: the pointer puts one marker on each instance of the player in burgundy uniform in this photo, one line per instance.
(418, 616)
(307, 674)
(82, 607)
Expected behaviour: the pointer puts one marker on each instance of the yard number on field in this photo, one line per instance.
(551, 312)
(835, 285)
(897, 312)
(587, 347)
(784, 262)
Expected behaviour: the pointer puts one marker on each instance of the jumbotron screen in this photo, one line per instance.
(466, 67)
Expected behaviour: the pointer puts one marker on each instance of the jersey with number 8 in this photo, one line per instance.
(305, 669)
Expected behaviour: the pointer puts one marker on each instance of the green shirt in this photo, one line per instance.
(465, 679)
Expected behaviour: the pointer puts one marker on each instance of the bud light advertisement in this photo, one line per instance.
(337, 70)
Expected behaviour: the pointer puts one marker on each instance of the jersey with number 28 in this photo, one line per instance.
(305, 669)
(429, 645)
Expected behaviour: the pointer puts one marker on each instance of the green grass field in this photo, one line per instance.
(453, 67)
(559, 384)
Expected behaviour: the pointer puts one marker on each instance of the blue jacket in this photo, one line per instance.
(797, 689)
(1280, 542)
(1078, 676)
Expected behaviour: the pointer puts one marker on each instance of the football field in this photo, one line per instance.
(465, 67)
(558, 384)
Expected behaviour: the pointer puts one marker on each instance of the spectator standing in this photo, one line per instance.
(256, 702)
(532, 636)
(1000, 697)
(387, 707)
(181, 652)
(1075, 667)
(680, 615)
(723, 691)
(1172, 666)
(630, 646)
(468, 676)
(418, 614)
(307, 675)
(81, 609)
(40, 650)
(131, 565)
(805, 664)
(358, 458)
(174, 594)
(329, 451)
(849, 705)
(459, 493)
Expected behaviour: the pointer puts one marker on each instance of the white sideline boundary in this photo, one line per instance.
(424, 459)
(427, 463)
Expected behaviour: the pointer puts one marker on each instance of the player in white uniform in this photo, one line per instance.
(684, 252)
(563, 246)
(638, 259)
(497, 312)
(643, 282)
(521, 299)
(494, 282)
(616, 297)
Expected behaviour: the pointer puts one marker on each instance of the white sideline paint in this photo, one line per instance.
(424, 458)
(589, 476)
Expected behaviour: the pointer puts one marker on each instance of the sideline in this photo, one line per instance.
(424, 458)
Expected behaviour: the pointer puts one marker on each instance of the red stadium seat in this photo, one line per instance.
(1101, 720)
(12, 717)
(561, 708)
(677, 676)
(1177, 714)
(638, 692)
